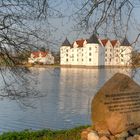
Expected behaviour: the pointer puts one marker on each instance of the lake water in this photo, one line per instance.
(66, 102)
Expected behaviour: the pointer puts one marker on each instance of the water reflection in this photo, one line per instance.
(64, 102)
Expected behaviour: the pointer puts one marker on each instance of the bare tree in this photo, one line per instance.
(114, 16)
(19, 30)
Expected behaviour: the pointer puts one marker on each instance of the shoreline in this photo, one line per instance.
(45, 134)
(76, 66)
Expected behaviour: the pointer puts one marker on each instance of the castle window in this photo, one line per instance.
(82, 59)
(89, 59)
(66, 60)
(66, 54)
(77, 60)
(96, 50)
(89, 54)
(89, 48)
(72, 55)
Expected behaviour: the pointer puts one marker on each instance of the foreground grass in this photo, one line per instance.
(70, 134)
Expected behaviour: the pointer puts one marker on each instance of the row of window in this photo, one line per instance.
(90, 48)
(78, 55)
(115, 55)
(109, 60)
(106, 60)
(78, 60)
(107, 50)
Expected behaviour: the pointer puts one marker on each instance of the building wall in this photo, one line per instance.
(109, 54)
(125, 55)
(65, 55)
(48, 59)
(117, 54)
(92, 54)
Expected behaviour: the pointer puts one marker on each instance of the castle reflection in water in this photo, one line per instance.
(67, 95)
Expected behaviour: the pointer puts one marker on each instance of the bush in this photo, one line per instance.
(70, 134)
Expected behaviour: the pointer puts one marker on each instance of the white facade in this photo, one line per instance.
(96, 52)
(41, 58)
(125, 55)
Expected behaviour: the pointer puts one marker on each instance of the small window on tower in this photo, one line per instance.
(96, 50)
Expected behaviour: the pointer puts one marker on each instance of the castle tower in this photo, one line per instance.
(125, 53)
(65, 53)
(95, 54)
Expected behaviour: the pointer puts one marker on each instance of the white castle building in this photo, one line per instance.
(41, 57)
(96, 52)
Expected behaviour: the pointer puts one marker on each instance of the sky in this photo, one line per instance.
(63, 24)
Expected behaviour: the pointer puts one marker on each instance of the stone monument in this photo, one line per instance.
(116, 106)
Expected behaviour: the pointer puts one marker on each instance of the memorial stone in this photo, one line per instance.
(116, 106)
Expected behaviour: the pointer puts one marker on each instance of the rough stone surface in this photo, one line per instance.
(123, 134)
(137, 137)
(116, 106)
(84, 133)
(92, 136)
(112, 137)
(138, 130)
(133, 131)
(104, 138)
(103, 133)
(131, 138)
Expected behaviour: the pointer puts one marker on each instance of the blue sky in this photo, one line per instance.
(64, 26)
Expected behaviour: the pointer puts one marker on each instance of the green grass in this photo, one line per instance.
(70, 134)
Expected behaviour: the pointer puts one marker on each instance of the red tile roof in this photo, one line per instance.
(113, 42)
(104, 41)
(36, 54)
(80, 42)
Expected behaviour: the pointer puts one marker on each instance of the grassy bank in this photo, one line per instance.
(70, 134)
